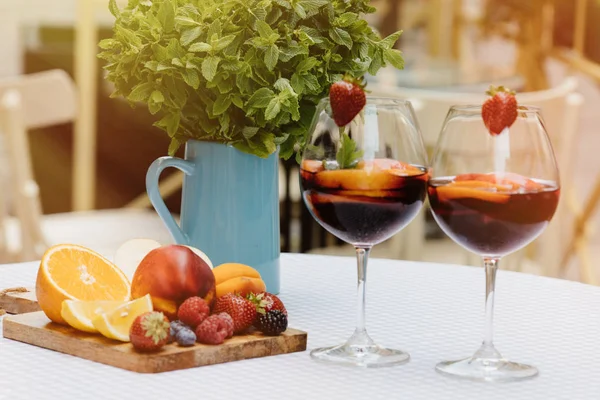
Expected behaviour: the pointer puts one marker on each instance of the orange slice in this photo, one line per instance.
(71, 272)
(312, 166)
(451, 192)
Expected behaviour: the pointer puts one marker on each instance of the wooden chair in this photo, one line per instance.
(560, 108)
(36, 101)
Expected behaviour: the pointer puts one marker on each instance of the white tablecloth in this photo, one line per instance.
(434, 311)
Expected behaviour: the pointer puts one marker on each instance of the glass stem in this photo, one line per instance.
(362, 257)
(360, 340)
(491, 267)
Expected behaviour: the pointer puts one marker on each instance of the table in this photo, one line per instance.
(434, 311)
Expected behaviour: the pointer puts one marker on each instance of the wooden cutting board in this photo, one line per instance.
(19, 302)
(36, 329)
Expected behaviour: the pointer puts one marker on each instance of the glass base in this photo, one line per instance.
(487, 369)
(369, 356)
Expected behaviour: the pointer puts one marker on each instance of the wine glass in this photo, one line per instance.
(493, 195)
(363, 183)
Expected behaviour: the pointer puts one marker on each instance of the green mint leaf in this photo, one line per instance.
(249, 131)
(221, 105)
(394, 57)
(189, 35)
(300, 11)
(169, 123)
(346, 19)
(108, 44)
(271, 57)
(273, 109)
(200, 47)
(347, 155)
(166, 16)
(223, 42)
(283, 84)
(190, 76)
(141, 92)
(284, 3)
(114, 8)
(261, 98)
(312, 5)
(209, 67)
(174, 146)
(306, 65)
(215, 29)
(157, 96)
(264, 30)
(186, 21)
(391, 40)
(341, 37)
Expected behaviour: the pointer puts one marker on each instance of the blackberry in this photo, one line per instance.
(272, 322)
(185, 337)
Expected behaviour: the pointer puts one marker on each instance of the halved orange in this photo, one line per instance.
(71, 272)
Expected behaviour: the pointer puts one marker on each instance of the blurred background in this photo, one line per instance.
(73, 161)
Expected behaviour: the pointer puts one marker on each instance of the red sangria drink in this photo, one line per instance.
(492, 214)
(365, 205)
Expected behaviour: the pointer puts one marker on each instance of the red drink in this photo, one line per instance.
(366, 205)
(492, 214)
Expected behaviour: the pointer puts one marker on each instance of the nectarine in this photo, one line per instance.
(171, 274)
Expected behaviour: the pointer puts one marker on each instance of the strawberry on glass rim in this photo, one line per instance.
(347, 98)
(500, 111)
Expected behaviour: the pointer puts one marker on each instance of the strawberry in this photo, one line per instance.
(266, 302)
(193, 311)
(499, 111)
(240, 309)
(149, 331)
(347, 98)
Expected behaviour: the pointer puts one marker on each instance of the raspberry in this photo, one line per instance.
(193, 311)
(213, 330)
(227, 318)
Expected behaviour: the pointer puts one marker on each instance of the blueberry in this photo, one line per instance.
(185, 337)
(176, 326)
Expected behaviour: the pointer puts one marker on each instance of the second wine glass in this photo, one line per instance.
(364, 183)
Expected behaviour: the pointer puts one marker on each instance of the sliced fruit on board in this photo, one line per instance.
(71, 272)
(80, 314)
(116, 323)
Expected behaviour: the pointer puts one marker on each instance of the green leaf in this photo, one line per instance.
(347, 155)
(169, 123)
(249, 131)
(283, 84)
(299, 10)
(114, 8)
(200, 47)
(221, 105)
(186, 21)
(141, 92)
(157, 96)
(391, 40)
(189, 35)
(166, 16)
(224, 42)
(271, 57)
(209, 67)
(108, 44)
(174, 146)
(261, 98)
(190, 76)
(312, 5)
(306, 65)
(394, 57)
(341, 37)
(346, 19)
(273, 109)
(264, 30)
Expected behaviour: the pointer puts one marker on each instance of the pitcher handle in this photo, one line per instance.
(152, 177)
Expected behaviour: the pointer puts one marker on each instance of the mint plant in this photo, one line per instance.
(243, 72)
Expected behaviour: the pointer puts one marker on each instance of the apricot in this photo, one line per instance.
(227, 271)
(241, 285)
(171, 274)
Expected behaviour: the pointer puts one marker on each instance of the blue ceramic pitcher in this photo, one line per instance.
(230, 206)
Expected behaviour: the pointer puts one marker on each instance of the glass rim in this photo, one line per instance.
(476, 108)
(376, 100)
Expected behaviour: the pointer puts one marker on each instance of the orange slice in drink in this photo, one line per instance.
(71, 272)
(381, 174)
